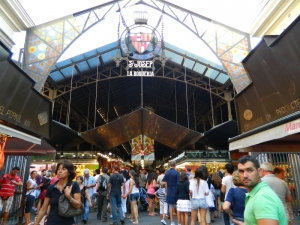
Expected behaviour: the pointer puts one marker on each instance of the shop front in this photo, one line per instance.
(25, 117)
(268, 110)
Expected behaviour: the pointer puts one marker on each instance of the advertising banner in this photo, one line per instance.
(142, 146)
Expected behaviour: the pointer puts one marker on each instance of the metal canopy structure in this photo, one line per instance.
(47, 42)
(89, 91)
(145, 122)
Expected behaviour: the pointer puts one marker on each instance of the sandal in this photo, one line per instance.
(135, 222)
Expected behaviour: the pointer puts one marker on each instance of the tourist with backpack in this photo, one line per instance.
(84, 196)
(101, 193)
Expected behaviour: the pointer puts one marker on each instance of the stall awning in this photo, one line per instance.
(217, 137)
(16, 146)
(268, 133)
(19, 134)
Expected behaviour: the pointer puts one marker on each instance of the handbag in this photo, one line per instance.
(65, 208)
(210, 199)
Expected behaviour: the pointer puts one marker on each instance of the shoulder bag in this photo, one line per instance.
(65, 208)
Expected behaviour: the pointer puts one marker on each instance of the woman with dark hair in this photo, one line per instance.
(134, 194)
(125, 189)
(84, 193)
(151, 185)
(198, 191)
(183, 202)
(64, 186)
(217, 183)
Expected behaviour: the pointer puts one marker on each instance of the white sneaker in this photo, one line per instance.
(163, 222)
(172, 223)
(110, 216)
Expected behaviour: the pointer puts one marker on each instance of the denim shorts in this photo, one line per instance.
(218, 193)
(134, 197)
(198, 203)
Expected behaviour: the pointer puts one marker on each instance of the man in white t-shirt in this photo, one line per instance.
(161, 175)
(226, 185)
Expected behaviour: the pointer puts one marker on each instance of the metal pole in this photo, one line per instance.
(142, 92)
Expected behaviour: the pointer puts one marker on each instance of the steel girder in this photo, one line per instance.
(110, 72)
(45, 43)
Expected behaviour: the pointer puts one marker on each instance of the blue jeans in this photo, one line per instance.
(115, 201)
(226, 218)
(29, 203)
(85, 216)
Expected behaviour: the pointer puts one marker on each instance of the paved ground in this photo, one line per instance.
(144, 219)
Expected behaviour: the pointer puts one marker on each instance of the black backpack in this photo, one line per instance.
(102, 184)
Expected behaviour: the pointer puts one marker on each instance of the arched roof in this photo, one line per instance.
(46, 43)
(93, 103)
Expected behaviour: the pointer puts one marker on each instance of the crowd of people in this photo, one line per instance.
(252, 194)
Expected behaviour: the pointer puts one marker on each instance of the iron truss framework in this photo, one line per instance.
(47, 42)
(109, 71)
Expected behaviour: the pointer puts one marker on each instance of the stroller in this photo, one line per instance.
(143, 200)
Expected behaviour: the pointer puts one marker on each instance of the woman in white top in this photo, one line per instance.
(31, 187)
(198, 191)
(125, 189)
(134, 194)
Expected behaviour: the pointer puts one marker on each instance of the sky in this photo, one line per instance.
(239, 14)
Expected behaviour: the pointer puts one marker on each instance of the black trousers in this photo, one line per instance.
(102, 207)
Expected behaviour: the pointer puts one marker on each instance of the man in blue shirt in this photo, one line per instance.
(171, 178)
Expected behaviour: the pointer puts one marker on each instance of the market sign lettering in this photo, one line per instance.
(140, 64)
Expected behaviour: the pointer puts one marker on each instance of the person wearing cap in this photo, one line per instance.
(89, 182)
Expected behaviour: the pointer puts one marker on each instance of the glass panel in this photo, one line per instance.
(174, 57)
(222, 78)
(90, 53)
(199, 68)
(67, 72)
(93, 62)
(77, 58)
(212, 74)
(63, 63)
(189, 63)
(107, 56)
(57, 76)
(83, 66)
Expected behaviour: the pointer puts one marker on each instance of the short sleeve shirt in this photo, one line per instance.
(96, 180)
(89, 181)
(171, 177)
(115, 181)
(53, 193)
(263, 203)
(236, 196)
(8, 188)
(198, 191)
(227, 181)
(278, 186)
